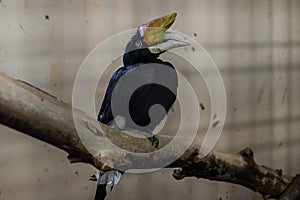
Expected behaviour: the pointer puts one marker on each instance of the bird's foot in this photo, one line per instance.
(154, 140)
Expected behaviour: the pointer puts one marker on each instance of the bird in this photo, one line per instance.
(141, 62)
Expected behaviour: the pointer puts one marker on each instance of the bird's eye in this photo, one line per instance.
(138, 44)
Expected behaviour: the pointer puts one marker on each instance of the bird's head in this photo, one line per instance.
(151, 39)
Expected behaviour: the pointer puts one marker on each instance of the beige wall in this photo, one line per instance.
(254, 43)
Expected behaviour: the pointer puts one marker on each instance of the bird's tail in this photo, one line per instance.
(110, 178)
(100, 192)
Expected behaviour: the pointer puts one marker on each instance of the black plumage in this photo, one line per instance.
(145, 96)
(157, 81)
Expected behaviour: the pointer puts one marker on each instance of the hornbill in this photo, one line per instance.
(142, 52)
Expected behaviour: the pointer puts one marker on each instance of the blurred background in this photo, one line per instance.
(255, 44)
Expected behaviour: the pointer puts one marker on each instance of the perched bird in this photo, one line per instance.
(141, 53)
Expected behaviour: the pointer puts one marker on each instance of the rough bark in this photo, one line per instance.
(42, 116)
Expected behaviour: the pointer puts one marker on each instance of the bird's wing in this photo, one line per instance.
(105, 114)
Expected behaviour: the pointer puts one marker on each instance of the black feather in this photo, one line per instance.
(144, 97)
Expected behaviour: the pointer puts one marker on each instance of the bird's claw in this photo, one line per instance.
(154, 140)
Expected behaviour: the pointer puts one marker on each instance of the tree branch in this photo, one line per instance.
(42, 116)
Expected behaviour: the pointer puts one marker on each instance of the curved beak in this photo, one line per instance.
(154, 34)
